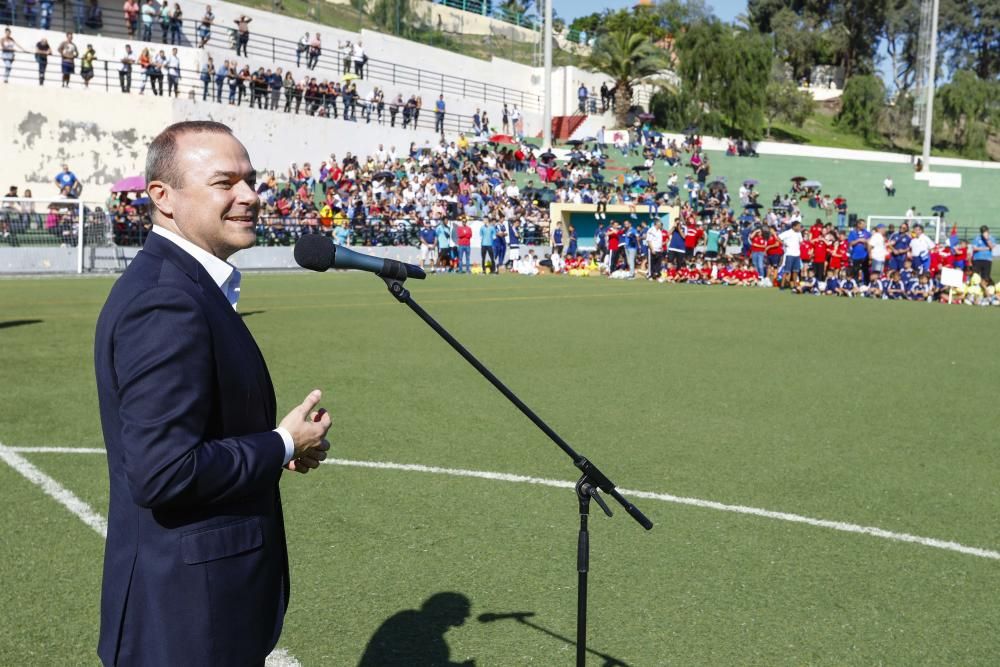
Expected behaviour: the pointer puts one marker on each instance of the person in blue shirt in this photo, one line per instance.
(895, 289)
(676, 248)
(427, 253)
(557, 239)
(906, 275)
(919, 291)
(808, 285)
(68, 184)
(500, 245)
(444, 243)
(342, 235)
(857, 241)
(982, 254)
(899, 247)
(572, 250)
(487, 233)
(848, 286)
(832, 286)
(439, 108)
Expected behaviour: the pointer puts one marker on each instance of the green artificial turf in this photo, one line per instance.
(873, 413)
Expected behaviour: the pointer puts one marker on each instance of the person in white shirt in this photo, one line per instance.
(877, 251)
(654, 242)
(791, 238)
(890, 188)
(920, 250)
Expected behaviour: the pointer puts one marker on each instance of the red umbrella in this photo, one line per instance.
(502, 139)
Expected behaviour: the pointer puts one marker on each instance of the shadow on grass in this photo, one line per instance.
(415, 637)
(522, 618)
(10, 324)
(248, 313)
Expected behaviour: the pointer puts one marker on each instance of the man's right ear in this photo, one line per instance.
(159, 194)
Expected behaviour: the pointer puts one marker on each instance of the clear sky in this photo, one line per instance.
(570, 9)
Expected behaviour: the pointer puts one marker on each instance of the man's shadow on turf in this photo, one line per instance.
(10, 324)
(415, 637)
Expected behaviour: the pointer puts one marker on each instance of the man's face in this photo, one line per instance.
(215, 206)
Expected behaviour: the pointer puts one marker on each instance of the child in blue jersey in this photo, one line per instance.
(907, 275)
(895, 289)
(808, 285)
(920, 290)
(832, 285)
(848, 285)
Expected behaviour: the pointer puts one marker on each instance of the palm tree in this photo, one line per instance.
(627, 58)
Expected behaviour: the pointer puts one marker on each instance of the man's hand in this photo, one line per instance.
(308, 430)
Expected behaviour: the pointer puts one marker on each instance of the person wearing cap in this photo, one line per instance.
(982, 254)
(877, 250)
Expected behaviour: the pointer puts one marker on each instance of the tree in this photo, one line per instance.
(394, 16)
(900, 34)
(969, 106)
(726, 71)
(627, 58)
(588, 24)
(970, 36)
(784, 101)
(862, 104)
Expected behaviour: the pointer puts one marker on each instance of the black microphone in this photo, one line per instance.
(318, 253)
(516, 615)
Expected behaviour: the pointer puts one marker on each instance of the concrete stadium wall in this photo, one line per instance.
(103, 137)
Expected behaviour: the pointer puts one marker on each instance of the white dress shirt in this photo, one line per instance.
(228, 279)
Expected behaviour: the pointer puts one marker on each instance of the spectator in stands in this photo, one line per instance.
(205, 27)
(8, 44)
(148, 15)
(173, 66)
(45, 14)
(302, 49)
(581, 94)
(207, 74)
(890, 188)
(68, 53)
(156, 72)
(145, 64)
(164, 15)
(79, 15)
(30, 13)
(87, 65)
(275, 84)
(315, 49)
(220, 80)
(68, 184)
(130, 11)
(394, 108)
(242, 34)
(439, 109)
(258, 88)
(359, 57)
(125, 69)
(94, 19)
(176, 23)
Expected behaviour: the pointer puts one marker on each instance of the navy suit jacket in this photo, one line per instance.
(195, 565)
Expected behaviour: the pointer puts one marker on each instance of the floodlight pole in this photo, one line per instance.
(932, 66)
(547, 50)
(591, 481)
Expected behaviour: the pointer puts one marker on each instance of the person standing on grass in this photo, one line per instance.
(463, 236)
(195, 563)
(857, 241)
(877, 250)
(899, 247)
(982, 254)
(487, 234)
(920, 250)
(791, 239)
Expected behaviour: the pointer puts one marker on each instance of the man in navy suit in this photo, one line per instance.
(195, 566)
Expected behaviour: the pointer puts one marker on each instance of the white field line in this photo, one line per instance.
(55, 490)
(12, 457)
(665, 497)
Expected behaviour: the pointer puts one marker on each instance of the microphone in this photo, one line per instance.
(516, 615)
(318, 253)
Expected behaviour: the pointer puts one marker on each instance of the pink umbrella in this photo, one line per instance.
(130, 184)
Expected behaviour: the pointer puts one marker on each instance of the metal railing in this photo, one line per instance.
(280, 51)
(109, 79)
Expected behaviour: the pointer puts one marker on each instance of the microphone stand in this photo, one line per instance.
(591, 480)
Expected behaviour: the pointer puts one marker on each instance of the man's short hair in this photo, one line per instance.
(162, 155)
